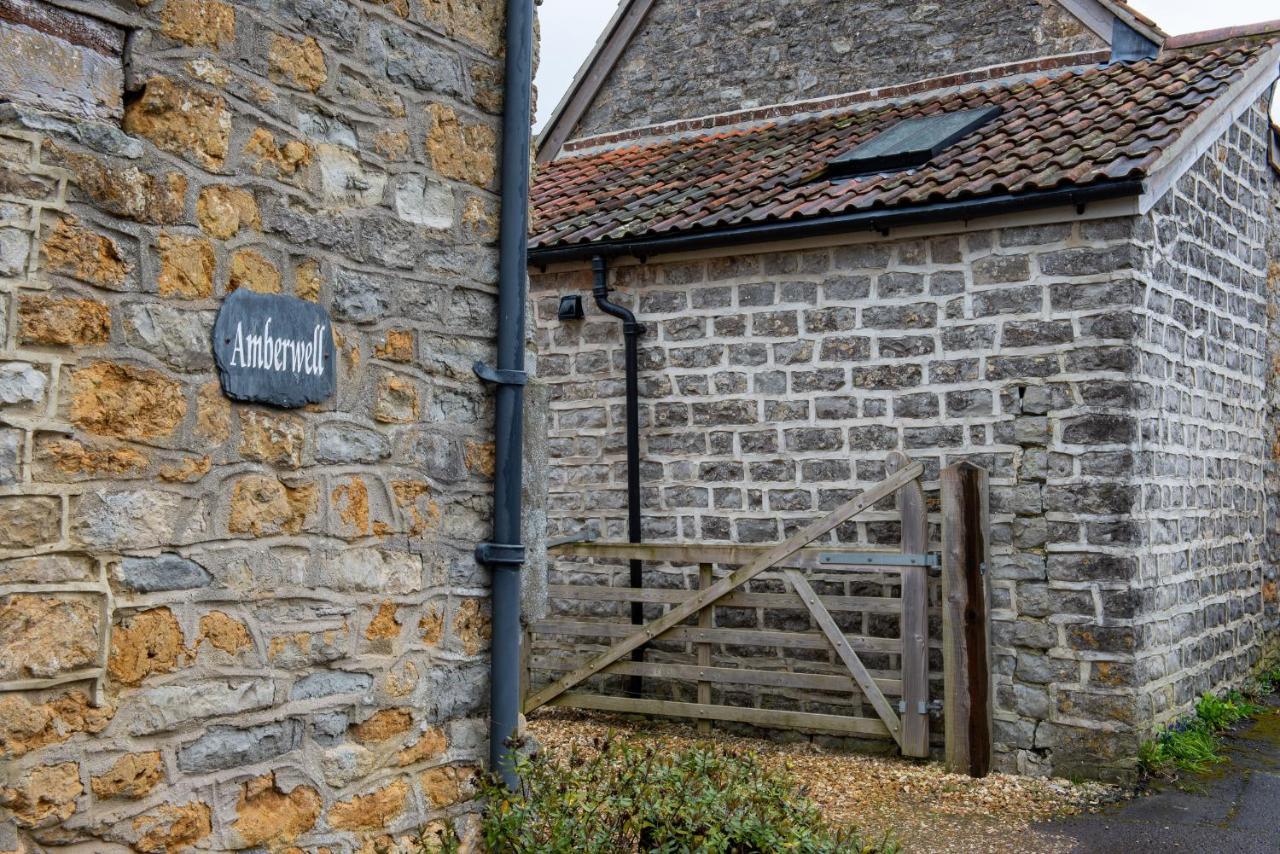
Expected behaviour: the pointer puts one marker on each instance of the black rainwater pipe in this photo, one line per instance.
(631, 332)
(505, 555)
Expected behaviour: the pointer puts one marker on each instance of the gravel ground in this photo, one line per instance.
(920, 804)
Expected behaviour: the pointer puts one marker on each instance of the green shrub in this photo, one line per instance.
(1220, 713)
(624, 798)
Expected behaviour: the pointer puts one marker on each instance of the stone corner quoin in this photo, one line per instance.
(226, 625)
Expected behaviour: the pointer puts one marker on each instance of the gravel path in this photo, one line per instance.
(924, 807)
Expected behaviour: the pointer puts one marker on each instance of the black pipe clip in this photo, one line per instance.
(497, 554)
(499, 376)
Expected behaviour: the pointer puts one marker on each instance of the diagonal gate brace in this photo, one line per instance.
(727, 585)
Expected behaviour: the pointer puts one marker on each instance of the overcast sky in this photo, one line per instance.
(570, 29)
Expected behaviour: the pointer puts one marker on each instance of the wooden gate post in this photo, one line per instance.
(966, 625)
(914, 627)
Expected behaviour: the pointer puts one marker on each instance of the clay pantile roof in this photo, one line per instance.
(1072, 128)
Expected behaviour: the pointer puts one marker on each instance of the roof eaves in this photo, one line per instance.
(1207, 128)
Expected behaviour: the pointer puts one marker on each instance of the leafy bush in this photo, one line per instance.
(1191, 744)
(624, 798)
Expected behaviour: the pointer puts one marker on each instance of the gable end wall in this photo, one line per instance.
(737, 54)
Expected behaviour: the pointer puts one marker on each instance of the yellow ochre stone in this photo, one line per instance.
(111, 399)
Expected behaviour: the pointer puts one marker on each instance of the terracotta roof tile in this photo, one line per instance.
(1078, 128)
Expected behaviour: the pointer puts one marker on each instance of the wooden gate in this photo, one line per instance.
(899, 698)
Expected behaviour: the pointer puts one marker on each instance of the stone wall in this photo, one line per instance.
(744, 54)
(222, 625)
(1271, 557)
(1125, 451)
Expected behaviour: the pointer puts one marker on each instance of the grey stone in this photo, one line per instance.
(179, 338)
(350, 443)
(102, 137)
(326, 683)
(225, 747)
(423, 201)
(21, 383)
(360, 297)
(169, 706)
(164, 572)
(119, 521)
(329, 727)
(405, 58)
(371, 571)
(15, 245)
(323, 128)
(10, 456)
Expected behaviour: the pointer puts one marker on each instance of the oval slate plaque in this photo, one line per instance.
(274, 349)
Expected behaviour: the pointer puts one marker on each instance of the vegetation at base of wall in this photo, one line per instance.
(1193, 743)
(627, 798)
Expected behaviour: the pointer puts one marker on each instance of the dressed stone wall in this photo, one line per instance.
(225, 626)
(1109, 374)
(740, 54)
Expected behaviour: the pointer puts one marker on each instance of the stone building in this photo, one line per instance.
(225, 625)
(1077, 295)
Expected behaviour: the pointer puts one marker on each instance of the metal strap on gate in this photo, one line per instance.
(929, 559)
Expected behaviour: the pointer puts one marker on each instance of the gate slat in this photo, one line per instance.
(732, 637)
(680, 613)
(870, 604)
(847, 655)
(732, 675)
(777, 718)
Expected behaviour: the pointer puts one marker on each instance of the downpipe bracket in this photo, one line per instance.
(498, 376)
(500, 554)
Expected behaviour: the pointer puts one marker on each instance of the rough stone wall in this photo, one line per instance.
(1200, 398)
(744, 54)
(774, 386)
(1109, 374)
(222, 625)
(1271, 557)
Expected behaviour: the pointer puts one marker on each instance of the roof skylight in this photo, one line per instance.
(909, 143)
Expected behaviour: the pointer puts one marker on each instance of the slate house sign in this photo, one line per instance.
(274, 349)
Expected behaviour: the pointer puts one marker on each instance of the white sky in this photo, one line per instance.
(570, 29)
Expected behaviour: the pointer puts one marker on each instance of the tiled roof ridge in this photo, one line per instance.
(926, 86)
(1206, 37)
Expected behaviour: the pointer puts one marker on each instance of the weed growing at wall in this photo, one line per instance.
(1192, 743)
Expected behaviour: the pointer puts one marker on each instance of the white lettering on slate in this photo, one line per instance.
(279, 354)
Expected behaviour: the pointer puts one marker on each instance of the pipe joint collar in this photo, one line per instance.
(499, 554)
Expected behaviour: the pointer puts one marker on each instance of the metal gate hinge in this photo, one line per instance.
(498, 554)
(500, 377)
(922, 708)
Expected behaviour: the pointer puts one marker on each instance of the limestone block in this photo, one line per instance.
(225, 747)
(15, 244)
(160, 573)
(10, 456)
(27, 521)
(425, 202)
(42, 636)
(327, 683)
(371, 571)
(44, 320)
(178, 338)
(134, 519)
(21, 384)
(169, 706)
(60, 71)
(347, 443)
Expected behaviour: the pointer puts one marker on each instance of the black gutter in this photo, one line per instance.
(505, 555)
(873, 220)
(631, 332)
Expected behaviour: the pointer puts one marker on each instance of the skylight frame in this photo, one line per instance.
(911, 142)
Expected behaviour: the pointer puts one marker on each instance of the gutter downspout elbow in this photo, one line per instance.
(505, 555)
(631, 331)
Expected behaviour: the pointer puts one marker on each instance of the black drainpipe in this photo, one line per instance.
(505, 555)
(631, 332)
